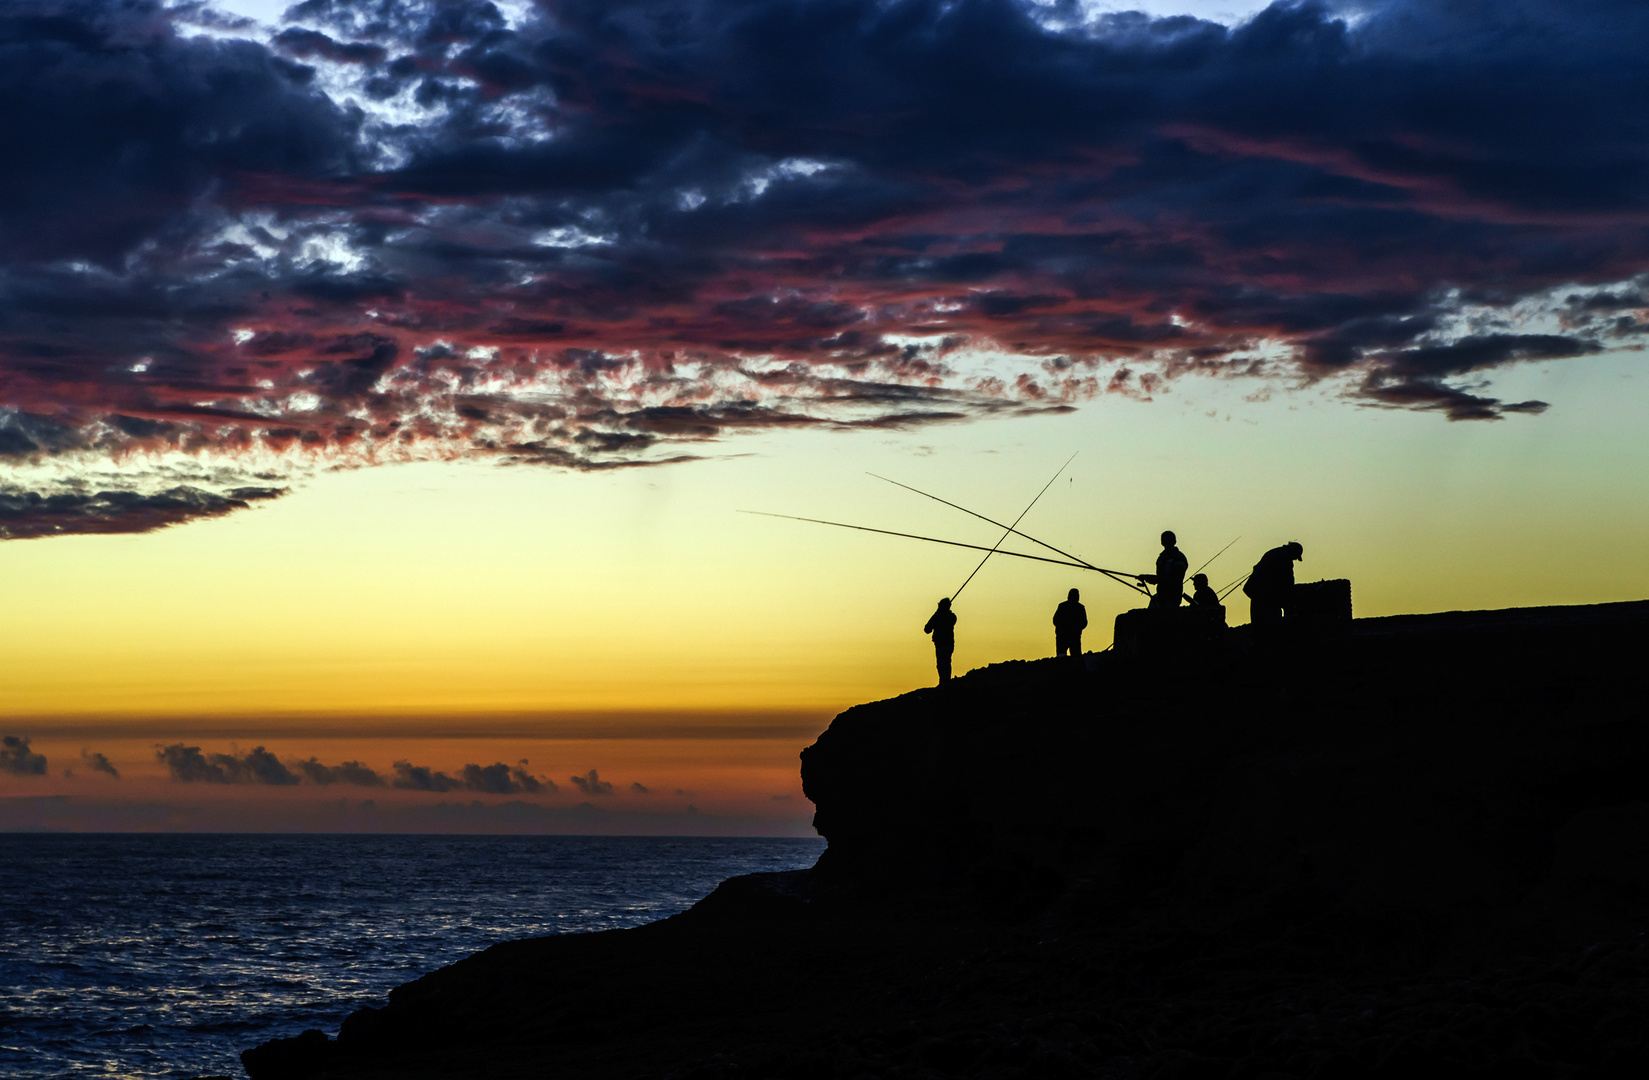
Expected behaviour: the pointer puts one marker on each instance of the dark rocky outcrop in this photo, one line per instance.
(1478, 769)
(1417, 847)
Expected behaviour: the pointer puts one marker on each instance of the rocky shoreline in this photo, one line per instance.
(1420, 847)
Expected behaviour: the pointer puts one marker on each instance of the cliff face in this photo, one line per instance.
(1242, 863)
(1487, 769)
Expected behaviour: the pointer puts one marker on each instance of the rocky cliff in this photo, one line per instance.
(1417, 846)
(1470, 765)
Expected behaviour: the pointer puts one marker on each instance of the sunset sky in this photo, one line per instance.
(380, 381)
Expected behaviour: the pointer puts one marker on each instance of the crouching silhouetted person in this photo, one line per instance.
(1270, 583)
(1070, 619)
(1206, 602)
(942, 625)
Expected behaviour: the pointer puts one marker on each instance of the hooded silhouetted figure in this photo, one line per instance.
(942, 625)
(1270, 583)
(1070, 619)
(1170, 576)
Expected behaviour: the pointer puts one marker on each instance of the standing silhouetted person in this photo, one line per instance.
(1270, 583)
(1170, 576)
(942, 625)
(1070, 619)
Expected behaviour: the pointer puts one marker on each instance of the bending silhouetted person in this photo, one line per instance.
(1270, 583)
(942, 625)
(1070, 619)
(1170, 576)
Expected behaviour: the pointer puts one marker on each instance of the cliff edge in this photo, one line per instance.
(1477, 769)
(1411, 846)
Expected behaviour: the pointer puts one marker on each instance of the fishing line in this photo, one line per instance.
(914, 536)
(1229, 589)
(1010, 528)
(1115, 575)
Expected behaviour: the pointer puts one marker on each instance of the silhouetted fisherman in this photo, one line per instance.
(1170, 576)
(1206, 602)
(1270, 583)
(1070, 619)
(942, 625)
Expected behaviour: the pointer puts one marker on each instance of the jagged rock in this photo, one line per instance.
(303, 1055)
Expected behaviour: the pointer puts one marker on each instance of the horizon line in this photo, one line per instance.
(570, 724)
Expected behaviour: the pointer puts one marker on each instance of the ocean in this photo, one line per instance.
(167, 955)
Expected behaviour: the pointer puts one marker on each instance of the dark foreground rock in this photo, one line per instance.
(1420, 848)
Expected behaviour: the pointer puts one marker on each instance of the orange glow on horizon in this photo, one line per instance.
(665, 785)
(481, 609)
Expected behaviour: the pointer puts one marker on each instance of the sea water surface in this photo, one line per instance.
(167, 955)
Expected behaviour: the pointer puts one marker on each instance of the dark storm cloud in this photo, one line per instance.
(187, 764)
(98, 763)
(309, 43)
(123, 125)
(1486, 351)
(26, 514)
(16, 757)
(1455, 403)
(602, 232)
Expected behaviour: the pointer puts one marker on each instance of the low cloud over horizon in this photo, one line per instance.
(495, 779)
(190, 765)
(16, 757)
(591, 783)
(600, 234)
(99, 763)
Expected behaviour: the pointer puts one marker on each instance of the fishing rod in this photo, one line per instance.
(982, 517)
(1203, 567)
(1009, 529)
(1115, 575)
(1211, 558)
(914, 536)
(1229, 589)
